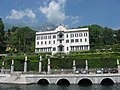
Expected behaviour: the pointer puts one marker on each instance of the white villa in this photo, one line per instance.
(62, 40)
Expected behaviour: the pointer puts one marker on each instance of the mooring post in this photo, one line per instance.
(48, 66)
(25, 64)
(12, 66)
(40, 64)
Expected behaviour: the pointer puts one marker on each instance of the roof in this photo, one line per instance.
(63, 29)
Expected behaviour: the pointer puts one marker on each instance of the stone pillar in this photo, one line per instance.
(86, 66)
(118, 65)
(74, 66)
(25, 64)
(2, 69)
(48, 66)
(40, 64)
(12, 66)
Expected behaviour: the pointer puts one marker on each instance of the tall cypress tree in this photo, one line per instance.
(1, 35)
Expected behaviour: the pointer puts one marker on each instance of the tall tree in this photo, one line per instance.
(1, 27)
(100, 36)
(117, 36)
(22, 39)
(96, 32)
(108, 36)
(1, 35)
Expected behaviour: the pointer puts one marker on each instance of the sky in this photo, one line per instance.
(71, 13)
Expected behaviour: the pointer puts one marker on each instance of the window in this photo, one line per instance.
(54, 36)
(49, 49)
(45, 42)
(72, 48)
(45, 49)
(80, 40)
(41, 37)
(72, 40)
(67, 41)
(80, 34)
(86, 47)
(85, 34)
(54, 42)
(49, 37)
(72, 35)
(60, 35)
(60, 41)
(38, 38)
(41, 49)
(54, 49)
(81, 47)
(41, 42)
(76, 40)
(67, 48)
(45, 37)
(76, 35)
(49, 42)
(37, 43)
(85, 40)
(76, 48)
(67, 36)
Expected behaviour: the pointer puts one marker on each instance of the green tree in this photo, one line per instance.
(2, 43)
(108, 36)
(96, 32)
(1, 27)
(100, 36)
(21, 40)
(117, 36)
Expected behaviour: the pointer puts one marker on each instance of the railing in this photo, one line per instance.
(61, 71)
(60, 38)
(5, 71)
(17, 74)
(34, 72)
(65, 71)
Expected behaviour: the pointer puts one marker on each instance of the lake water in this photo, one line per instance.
(57, 87)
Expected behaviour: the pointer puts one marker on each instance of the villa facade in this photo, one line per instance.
(62, 40)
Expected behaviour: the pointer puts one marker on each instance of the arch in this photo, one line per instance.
(85, 82)
(43, 82)
(63, 82)
(107, 81)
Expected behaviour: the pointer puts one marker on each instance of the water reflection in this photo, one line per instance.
(57, 87)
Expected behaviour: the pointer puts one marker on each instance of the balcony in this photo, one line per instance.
(60, 36)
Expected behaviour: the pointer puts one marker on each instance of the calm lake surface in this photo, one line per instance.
(57, 87)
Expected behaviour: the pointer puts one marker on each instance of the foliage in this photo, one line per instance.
(117, 36)
(101, 36)
(104, 44)
(21, 40)
(95, 60)
(2, 43)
